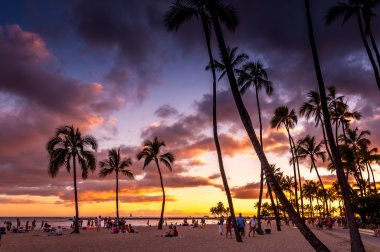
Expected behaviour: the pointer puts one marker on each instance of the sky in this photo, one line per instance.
(113, 70)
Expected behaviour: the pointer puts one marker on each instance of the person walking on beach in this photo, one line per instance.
(240, 221)
(221, 225)
(252, 226)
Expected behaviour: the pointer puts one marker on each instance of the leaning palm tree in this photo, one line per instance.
(115, 163)
(283, 117)
(152, 151)
(356, 241)
(67, 148)
(308, 148)
(227, 14)
(348, 10)
(254, 75)
(179, 13)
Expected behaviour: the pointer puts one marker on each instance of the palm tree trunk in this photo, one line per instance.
(356, 241)
(323, 188)
(259, 229)
(368, 178)
(117, 197)
(299, 178)
(215, 133)
(374, 46)
(311, 208)
(160, 223)
(76, 224)
(246, 120)
(292, 150)
(326, 144)
(275, 211)
(373, 178)
(367, 48)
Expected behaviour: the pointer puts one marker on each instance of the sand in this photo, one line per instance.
(148, 239)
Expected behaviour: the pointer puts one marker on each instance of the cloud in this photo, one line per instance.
(166, 111)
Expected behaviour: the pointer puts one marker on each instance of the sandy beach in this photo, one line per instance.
(148, 239)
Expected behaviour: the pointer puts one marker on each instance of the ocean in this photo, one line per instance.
(66, 221)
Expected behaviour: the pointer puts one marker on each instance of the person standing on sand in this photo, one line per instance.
(98, 224)
(229, 227)
(33, 224)
(252, 226)
(240, 221)
(221, 225)
(18, 223)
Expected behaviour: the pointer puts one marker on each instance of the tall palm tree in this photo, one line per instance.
(179, 13)
(348, 10)
(368, 157)
(67, 148)
(309, 191)
(115, 163)
(368, 14)
(227, 14)
(283, 117)
(254, 75)
(236, 61)
(354, 139)
(356, 241)
(313, 108)
(308, 148)
(152, 151)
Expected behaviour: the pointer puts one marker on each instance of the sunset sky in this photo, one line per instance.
(112, 69)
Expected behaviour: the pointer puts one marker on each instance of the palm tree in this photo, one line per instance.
(369, 156)
(307, 148)
(115, 163)
(152, 152)
(309, 191)
(356, 241)
(235, 59)
(254, 75)
(282, 116)
(180, 12)
(348, 10)
(313, 108)
(354, 139)
(67, 148)
(227, 14)
(368, 14)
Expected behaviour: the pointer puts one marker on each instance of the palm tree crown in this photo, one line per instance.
(115, 164)
(67, 144)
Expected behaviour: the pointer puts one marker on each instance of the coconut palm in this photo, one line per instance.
(254, 75)
(354, 139)
(356, 241)
(115, 164)
(152, 151)
(368, 15)
(235, 59)
(348, 10)
(369, 156)
(179, 13)
(227, 14)
(283, 117)
(313, 108)
(67, 148)
(342, 116)
(309, 189)
(308, 148)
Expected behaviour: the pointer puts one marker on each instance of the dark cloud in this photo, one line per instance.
(166, 111)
